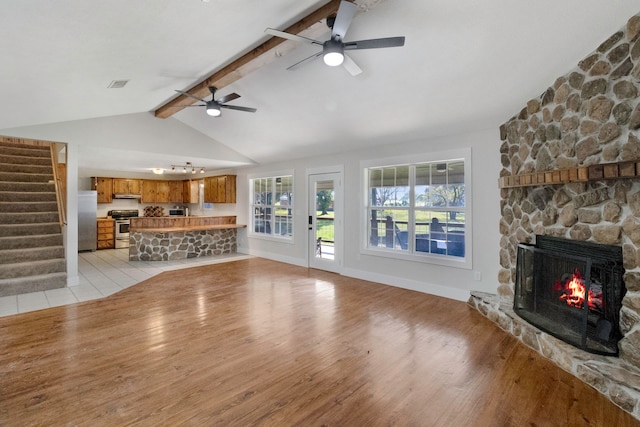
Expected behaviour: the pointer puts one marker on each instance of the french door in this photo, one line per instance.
(325, 221)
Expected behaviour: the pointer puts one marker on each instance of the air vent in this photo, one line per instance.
(117, 84)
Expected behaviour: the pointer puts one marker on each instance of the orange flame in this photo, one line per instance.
(573, 292)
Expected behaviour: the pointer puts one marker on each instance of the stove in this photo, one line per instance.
(122, 226)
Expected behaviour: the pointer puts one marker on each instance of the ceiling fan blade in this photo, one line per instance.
(346, 12)
(351, 66)
(235, 107)
(294, 37)
(189, 95)
(305, 60)
(375, 43)
(228, 98)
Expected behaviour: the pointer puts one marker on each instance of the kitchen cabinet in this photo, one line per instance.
(162, 193)
(106, 233)
(191, 191)
(220, 189)
(149, 190)
(175, 191)
(127, 186)
(104, 189)
(154, 191)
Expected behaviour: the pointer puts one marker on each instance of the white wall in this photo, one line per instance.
(445, 281)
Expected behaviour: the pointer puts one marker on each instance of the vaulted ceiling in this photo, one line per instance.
(465, 66)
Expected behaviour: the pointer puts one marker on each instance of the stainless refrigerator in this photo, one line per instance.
(87, 220)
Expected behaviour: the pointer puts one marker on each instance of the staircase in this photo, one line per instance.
(32, 256)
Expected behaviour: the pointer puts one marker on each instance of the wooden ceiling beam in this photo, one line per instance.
(252, 60)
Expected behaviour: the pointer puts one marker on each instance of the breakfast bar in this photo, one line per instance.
(175, 238)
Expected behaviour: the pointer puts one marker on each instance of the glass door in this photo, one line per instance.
(325, 221)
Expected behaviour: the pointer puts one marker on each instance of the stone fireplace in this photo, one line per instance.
(571, 170)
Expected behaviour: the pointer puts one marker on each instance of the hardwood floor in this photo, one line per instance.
(256, 342)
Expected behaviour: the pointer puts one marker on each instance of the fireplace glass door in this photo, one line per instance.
(574, 293)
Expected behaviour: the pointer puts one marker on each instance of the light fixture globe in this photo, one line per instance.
(213, 109)
(333, 53)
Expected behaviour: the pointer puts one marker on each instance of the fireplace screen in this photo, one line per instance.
(572, 290)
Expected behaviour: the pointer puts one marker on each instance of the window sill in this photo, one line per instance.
(435, 259)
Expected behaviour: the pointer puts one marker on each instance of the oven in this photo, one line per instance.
(122, 219)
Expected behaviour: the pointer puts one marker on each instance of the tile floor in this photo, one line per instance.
(101, 273)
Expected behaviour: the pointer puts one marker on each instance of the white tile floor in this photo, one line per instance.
(102, 273)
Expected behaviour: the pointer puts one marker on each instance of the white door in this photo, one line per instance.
(325, 221)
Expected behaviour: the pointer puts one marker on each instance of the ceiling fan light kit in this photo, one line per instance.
(333, 52)
(213, 110)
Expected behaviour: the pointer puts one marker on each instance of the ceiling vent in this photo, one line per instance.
(117, 84)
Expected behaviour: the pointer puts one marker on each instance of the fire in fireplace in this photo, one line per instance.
(572, 290)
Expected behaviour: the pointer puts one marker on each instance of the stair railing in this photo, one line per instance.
(55, 148)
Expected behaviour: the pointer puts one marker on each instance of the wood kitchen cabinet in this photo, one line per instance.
(175, 191)
(154, 191)
(162, 194)
(106, 233)
(191, 191)
(104, 188)
(149, 190)
(220, 189)
(127, 186)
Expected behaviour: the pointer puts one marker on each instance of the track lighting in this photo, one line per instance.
(188, 167)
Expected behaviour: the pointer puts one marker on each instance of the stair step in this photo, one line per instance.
(26, 151)
(8, 167)
(32, 196)
(41, 187)
(9, 144)
(25, 177)
(7, 230)
(39, 283)
(14, 256)
(28, 217)
(24, 160)
(32, 268)
(30, 241)
(13, 207)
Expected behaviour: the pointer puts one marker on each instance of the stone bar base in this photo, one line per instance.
(175, 245)
(611, 376)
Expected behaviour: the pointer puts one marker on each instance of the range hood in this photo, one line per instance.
(126, 196)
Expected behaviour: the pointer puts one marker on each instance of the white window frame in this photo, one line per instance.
(288, 238)
(412, 160)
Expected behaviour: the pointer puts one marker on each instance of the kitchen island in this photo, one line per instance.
(174, 238)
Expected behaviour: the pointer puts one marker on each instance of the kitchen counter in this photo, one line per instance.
(173, 238)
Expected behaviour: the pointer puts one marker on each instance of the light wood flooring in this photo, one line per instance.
(256, 342)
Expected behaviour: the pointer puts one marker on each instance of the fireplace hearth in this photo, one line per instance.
(572, 290)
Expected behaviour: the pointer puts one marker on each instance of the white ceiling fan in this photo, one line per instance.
(333, 49)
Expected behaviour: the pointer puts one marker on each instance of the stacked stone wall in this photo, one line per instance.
(589, 116)
(176, 245)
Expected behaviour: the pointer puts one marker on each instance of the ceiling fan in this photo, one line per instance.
(215, 105)
(333, 49)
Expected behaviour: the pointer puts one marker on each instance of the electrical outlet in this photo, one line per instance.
(477, 275)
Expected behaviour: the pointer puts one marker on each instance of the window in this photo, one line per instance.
(418, 211)
(272, 206)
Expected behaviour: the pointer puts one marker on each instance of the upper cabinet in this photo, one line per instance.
(127, 186)
(191, 191)
(154, 191)
(175, 191)
(104, 188)
(220, 189)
